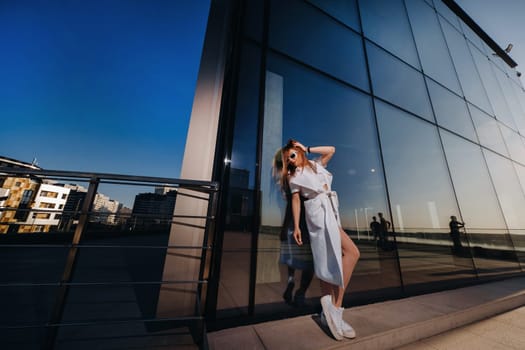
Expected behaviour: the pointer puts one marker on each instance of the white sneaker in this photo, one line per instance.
(346, 330)
(332, 317)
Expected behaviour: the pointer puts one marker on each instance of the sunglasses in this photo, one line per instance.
(292, 155)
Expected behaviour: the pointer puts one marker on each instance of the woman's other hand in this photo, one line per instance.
(297, 236)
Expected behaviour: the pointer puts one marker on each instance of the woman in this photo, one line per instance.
(334, 253)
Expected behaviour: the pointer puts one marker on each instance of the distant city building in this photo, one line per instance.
(104, 209)
(73, 206)
(18, 194)
(164, 189)
(153, 208)
(30, 206)
(48, 205)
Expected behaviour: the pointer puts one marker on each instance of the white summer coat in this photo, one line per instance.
(322, 218)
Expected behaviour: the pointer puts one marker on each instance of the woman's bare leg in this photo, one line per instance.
(349, 261)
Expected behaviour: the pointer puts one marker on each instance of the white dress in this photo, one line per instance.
(322, 219)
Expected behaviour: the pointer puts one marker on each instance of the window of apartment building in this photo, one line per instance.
(23, 208)
(48, 194)
(64, 195)
(26, 196)
(18, 184)
(42, 216)
(47, 205)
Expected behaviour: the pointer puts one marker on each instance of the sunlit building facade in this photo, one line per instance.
(427, 114)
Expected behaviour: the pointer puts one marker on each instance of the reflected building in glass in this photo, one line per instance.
(427, 114)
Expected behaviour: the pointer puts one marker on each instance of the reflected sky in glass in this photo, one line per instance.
(471, 180)
(397, 82)
(451, 110)
(417, 177)
(431, 45)
(508, 189)
(327, 45)
(386, 23)
(319, 111)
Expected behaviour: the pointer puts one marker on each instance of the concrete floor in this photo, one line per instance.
(410, 323)
(504, 331)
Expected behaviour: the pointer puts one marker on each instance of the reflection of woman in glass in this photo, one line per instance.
(334, 253)
(294, 256)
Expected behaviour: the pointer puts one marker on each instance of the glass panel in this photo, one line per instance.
(421, 196)
(447, 13)
(488, 131)
(386, 23)
(519, 240)
(397, 82)
(431, 45)
(473, 37)
(451, 111)
(485, 229)
(306, 105)
(520, 98)
(343, 10)
(468, 75)
(508, 189)
(235, 264)
(516, 120)
(330, 47)
(509, 192)
(492, 86)
(514, 144)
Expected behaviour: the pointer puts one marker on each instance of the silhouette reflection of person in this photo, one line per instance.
(455, 225)
(375, 227)
(384, 227)
(294, 256)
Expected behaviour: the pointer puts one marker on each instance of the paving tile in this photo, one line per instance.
(500, 332)
(235, 339)
(515, 318)
(419, 345)
(461, 339)
(298, 333)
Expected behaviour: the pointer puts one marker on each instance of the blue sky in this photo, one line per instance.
(103, 86)
(503, 21)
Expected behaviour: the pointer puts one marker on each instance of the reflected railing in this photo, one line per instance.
(77, 248)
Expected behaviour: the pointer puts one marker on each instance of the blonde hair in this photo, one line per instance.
(281, 170)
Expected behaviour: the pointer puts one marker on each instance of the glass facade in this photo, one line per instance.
(427, 125)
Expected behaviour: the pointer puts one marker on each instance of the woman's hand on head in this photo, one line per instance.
(300, 145)
(297, 236)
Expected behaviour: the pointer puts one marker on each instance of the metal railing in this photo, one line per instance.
(72, 241)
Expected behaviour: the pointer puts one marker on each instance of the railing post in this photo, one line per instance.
(204, 272)
(63, 289)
